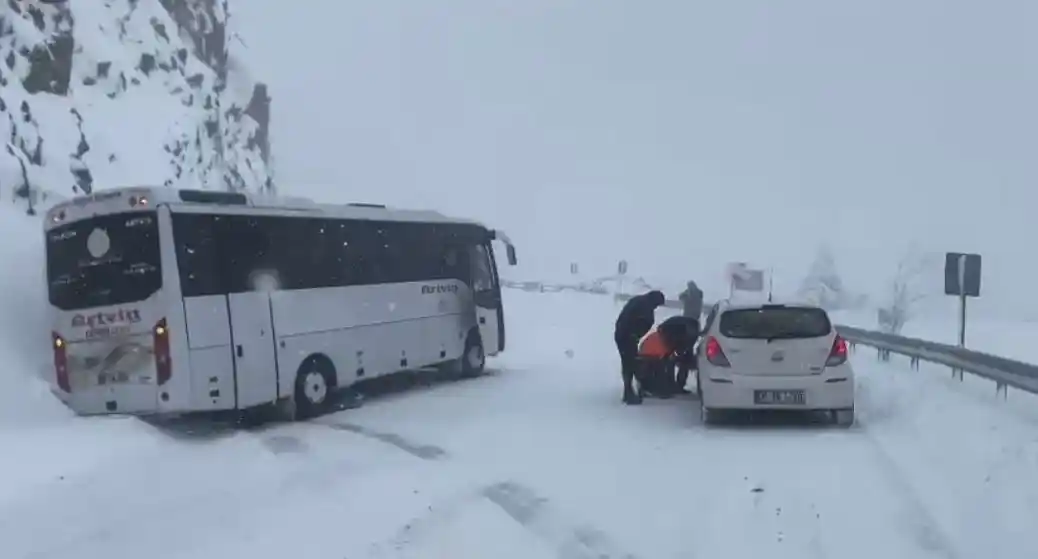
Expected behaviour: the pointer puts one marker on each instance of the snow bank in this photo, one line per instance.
(24, 349)
(126, 92)
(46, 441)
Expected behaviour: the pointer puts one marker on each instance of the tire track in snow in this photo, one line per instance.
(925, 528)
(535, 513)
(418, 450)
(523, 505)
(530, 512)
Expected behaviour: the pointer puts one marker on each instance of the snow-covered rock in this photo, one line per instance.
(104, 93)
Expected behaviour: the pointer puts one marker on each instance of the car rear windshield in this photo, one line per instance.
(106, 260)
(774, 323)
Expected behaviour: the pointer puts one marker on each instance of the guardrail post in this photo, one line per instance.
(914, 363)
(1001, 390)
(957, 373)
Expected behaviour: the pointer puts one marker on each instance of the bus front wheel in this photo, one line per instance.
(473, 359)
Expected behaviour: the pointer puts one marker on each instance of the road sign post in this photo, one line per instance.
(621, 271)
(962, 279)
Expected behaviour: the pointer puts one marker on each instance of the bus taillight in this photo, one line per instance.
(163, 361)
(60, 361)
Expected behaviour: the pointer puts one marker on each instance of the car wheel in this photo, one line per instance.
(843, 417)
(707, 416)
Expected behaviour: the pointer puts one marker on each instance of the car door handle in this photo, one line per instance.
(239, 351)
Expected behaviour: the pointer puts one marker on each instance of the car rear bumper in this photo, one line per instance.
(832, 390)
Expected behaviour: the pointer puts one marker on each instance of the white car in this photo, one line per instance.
(774, 356)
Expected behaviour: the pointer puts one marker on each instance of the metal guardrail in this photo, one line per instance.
(1000, 370)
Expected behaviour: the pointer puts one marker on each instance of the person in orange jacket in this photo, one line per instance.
(666, 346)
(655, 355)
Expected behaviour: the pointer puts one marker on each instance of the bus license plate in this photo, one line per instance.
(779, 397)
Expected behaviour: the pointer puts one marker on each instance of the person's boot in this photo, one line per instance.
(681, 381)
(630, 396)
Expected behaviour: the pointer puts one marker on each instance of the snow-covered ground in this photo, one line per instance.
(538, 459)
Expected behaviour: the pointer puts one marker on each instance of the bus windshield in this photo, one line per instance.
(106, 260)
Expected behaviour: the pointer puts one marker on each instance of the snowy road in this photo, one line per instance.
(540, 460)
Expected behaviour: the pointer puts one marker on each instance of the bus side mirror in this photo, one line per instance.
(496, 234)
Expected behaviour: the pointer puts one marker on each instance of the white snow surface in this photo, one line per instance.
(538, 459)
(142, 128)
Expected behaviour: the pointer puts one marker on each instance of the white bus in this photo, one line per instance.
(167, 302)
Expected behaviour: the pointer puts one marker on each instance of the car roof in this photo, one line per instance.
(728, 305)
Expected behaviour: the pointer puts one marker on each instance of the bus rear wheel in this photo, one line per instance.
(315, 381)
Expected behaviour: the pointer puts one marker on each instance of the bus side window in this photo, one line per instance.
(362, 254)
(454, 261)
(198, 256)
(453, 264)
(248, 251)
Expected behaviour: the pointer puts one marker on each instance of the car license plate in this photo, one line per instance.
(113, 378)
(779, 397)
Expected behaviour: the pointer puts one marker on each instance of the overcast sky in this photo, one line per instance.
(678, 134)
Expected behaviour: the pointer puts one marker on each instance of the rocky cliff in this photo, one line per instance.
(103, 93)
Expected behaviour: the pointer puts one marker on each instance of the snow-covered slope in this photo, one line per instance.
(127, 92)
(24, 351)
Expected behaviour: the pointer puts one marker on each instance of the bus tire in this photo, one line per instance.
(315, 382)
(474, 358)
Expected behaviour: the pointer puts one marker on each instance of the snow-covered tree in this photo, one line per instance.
(823, 284)
(907, 288)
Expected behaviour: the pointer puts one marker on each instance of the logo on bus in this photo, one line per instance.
(443, 288)
(104, 319)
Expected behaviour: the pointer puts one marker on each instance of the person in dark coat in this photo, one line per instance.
(636, 319)
(692, 301)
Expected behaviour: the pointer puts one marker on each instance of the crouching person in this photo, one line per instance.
(655, 366)
(668, 349)
(682, 333)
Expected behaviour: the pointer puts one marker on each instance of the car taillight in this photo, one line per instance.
(714, 354)
(60, 361)
(838, 353)
(163, 360)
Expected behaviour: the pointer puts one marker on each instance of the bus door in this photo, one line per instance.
(487, 296)
(252, 338)
(246, 250)
(231, 341)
